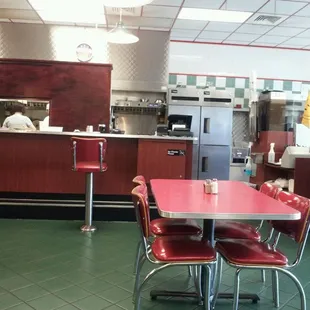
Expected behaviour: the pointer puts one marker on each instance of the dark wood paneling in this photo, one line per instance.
(154, 161)
(42, 164)
(80, 92)
(302, 177)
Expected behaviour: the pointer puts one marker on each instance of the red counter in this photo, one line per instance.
(42, 162)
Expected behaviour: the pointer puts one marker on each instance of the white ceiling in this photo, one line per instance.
(292, 30)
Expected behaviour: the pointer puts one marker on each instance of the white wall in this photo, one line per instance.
(226, 60)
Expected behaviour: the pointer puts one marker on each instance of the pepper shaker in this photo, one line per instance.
(214, 186)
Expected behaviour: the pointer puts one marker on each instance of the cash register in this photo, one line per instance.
(180, 125)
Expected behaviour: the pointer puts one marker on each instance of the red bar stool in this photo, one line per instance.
(88, 157)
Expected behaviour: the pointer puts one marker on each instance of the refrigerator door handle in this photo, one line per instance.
(206, 125)
(204, 164)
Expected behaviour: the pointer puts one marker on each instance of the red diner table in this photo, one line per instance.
(235, 201)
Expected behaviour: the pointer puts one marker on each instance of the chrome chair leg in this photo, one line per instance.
(141, 261)
(89, 189)
(138, 253)
(275, 288)
(236, 289)
(263, 275)
(197, 280)
(146, 279)
(190, 271)
(207, 299)
(218, 280)
(301, 291)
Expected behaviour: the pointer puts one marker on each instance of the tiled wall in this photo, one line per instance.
(239, 87)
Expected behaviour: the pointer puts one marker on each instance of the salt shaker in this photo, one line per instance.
(207, 185)
(214, 186)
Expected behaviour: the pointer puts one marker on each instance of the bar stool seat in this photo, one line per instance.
(88, 157)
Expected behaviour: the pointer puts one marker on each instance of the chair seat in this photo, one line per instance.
(90, 166)
(235, 230)
(168, 227)
(186, 249)
(250, 252)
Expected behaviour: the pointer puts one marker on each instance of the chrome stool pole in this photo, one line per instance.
(89, 189)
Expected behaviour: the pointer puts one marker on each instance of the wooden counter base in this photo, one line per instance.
(33, 163)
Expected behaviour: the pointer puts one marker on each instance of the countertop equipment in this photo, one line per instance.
(180, 125)
(211, 112)
(162, 130)
(135, 117)
(293, 152)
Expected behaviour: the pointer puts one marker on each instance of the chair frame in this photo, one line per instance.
(147, 255)
(275, 269)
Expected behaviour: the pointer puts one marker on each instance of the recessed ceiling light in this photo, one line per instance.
(214, 15)
(70, 11)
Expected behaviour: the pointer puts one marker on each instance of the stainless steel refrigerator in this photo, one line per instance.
(211, 113)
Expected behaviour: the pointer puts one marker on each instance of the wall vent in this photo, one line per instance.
(267, 19)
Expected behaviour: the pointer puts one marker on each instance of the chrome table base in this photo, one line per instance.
(88, 228)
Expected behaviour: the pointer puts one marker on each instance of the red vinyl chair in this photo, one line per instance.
(167, 227)
(238, 230)
(252, 254)
(88, 157)
(165, 252)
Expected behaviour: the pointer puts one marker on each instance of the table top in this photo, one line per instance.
(235, 200)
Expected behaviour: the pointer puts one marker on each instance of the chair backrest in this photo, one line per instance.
(141, 203)
(88, 149)
(138, 180)
(297, 229)
(270, 190)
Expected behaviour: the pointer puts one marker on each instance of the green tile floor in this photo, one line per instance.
(47, 265)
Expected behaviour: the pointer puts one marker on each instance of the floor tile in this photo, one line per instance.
(14, 283)
(55, 284)
(8, 300)
(95, 285)
(72, 293)
(114, 294)
(48, 302)
(116, 277)
(114, 307)
(78, 276)
(92, 303)
(22, 306)
(68, 307)
(30, 292)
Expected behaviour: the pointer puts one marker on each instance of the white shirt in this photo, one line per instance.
(18, 121)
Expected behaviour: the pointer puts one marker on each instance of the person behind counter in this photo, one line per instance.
(17, 120)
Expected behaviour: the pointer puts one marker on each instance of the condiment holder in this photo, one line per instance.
(211, 186)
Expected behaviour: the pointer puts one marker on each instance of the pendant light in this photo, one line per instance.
(126, 3)
(120, 35)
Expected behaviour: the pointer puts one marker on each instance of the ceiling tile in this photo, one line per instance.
(263, 44)
(296, 21)
(246, 37)
(214, 35)
(182, 39)
(15, 4)
(218, 26)
(209, 40)
(243, 5)
(284, 31)
(59, 23)
(18, 14)
(189, 24)
(256, 29)
(26, 21)
(304, 34)
(4, 20)
(290, 46)
(271, 39)
(282, 7)
(209, 4)
(185, 33)
(142, 21)
(167, 2)
(298, 41)
(160, 11)
(304, 12)
(237, 42)
(154, 29)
